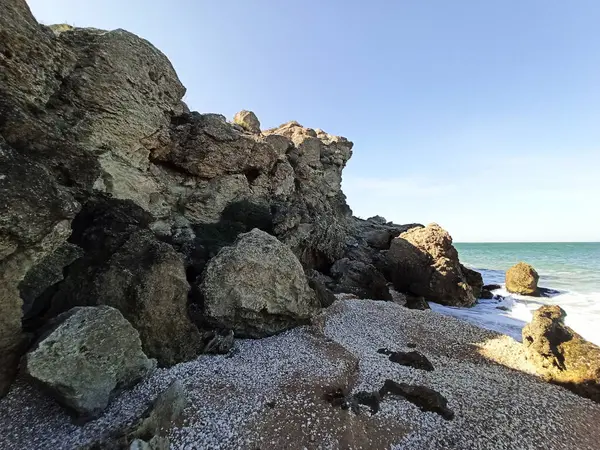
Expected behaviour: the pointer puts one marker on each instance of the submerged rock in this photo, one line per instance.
(257, 287)
(90, 355)
(522, 279)
(561, 355)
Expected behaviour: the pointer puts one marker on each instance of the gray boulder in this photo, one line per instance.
(91, 354)
(257, 287)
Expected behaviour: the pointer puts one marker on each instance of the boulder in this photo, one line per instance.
(522, 279)
(89, 355)
(560, 354)
(257, 287)
(363, 280)
(423, 262)
(248, 121)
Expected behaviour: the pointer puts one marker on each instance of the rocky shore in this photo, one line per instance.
(172, 279)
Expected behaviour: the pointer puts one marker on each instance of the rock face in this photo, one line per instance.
(522, 279)
(257, 287)
(89, 356)
(423, 262)
(561, 355)
(112, 192)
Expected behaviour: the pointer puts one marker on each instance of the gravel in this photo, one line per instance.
(269, 393)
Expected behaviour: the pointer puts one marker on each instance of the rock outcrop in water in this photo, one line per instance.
(561, 355)
(112, 192)
(522, 279)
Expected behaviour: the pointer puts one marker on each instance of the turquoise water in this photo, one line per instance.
(573, 269)
(573, 266)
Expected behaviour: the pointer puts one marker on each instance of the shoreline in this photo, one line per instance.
(484, 376)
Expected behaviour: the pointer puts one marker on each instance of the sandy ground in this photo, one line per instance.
(270, 393)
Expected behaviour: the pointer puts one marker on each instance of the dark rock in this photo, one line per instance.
(411, 345)
(412, 359)
(503, 308)
(491, 287)
(486, 295)
(522, 279)
(42, 276)
(546, 292)
(218, 343)
(415, 302)
(318, 283)
(425, 398)
(144, 278)
(561, 355)
(360, 279)
(369, 399)
(88, 355)
(474, 279)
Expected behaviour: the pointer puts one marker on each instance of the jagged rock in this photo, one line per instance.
(90, 354)
(360, 279)
(561, 355)
(257, 287)
(522, 279)
(34, 220)
(248, 121)
(314, 219)
(423, 262)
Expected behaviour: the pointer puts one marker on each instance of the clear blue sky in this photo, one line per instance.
(483, 116)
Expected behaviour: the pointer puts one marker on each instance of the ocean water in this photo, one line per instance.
(573, 269)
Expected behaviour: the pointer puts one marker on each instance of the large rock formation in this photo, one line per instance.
(85, 112)
(423, 262)
(257, 287)
(561, 355)
(113, 193)
(88, 356)
(522, 279)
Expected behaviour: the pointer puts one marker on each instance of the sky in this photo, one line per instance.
(482, 116)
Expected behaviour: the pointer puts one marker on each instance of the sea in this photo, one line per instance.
(571, 269)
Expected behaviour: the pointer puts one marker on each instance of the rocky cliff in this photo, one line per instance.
(112, 192)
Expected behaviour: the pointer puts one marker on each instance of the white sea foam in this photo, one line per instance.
(510, 314)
